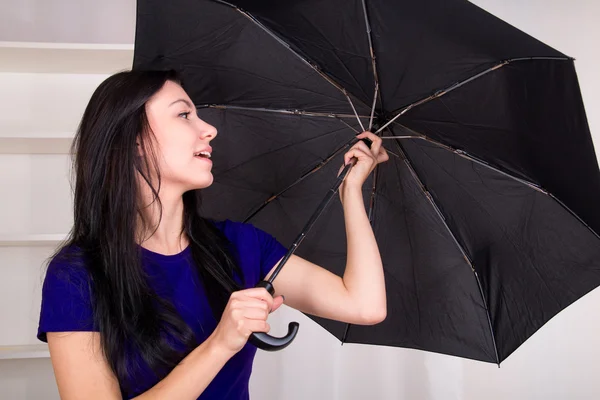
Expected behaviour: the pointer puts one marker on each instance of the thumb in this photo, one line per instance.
(277, 302)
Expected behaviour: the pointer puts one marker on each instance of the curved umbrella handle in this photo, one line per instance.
(264, 341)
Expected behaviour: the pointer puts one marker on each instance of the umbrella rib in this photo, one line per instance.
(303, 177)
(443, 219)
(349, 126)
(310, 64)
(465, 155)
(373, 107)
(280, 111)
(386, 149)
(373, 62)
(455, 86)
(355, 113)
(373, 194)
(440, 93)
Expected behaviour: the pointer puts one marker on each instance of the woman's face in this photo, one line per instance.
(182, 139)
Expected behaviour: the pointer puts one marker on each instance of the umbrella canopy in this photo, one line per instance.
(484, 214)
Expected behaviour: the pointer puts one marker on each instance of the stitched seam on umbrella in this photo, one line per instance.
(411, 252)
(332, 49)
(463, 251)
(505, 234)
(334, 52)
(289, 47)
(510, 320)
(251, 74)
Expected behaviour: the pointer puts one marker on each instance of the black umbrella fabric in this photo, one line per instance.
(485, 213)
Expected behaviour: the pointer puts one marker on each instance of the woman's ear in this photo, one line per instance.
(138, 146)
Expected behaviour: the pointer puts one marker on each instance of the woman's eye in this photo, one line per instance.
(185, 114)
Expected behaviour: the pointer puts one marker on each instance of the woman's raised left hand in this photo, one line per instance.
(367, 160)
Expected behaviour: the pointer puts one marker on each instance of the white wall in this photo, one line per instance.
(559, 362)
(67, 21)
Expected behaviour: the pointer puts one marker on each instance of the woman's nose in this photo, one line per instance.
(207, 131)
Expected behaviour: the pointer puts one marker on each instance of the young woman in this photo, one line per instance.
(149, 300)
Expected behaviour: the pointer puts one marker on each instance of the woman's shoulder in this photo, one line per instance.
(253, 243)
(66, 276)
(67, 264)
(66, 294)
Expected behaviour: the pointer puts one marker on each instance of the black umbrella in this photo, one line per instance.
(485, 213)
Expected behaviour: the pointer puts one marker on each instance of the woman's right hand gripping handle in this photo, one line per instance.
(246, 312)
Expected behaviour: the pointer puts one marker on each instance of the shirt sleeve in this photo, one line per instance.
(271, 251)
(66, 299)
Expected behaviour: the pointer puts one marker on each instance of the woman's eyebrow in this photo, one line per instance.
(182, 100)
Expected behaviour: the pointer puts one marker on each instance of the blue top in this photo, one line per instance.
(66, 304)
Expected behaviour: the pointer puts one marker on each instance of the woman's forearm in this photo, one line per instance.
(193, 374)
(363, 276)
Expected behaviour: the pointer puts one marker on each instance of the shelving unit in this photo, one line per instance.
(24, 351)
(64, 58)
(32, 143)
(48, 239)
(45, 88)
(53, 56)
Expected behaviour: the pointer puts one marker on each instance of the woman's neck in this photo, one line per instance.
(165, 236)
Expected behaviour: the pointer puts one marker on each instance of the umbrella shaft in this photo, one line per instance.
(330, 193)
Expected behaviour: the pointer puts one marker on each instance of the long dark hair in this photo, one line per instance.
(127, 312)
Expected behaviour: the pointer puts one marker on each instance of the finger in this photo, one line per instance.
(277, 302)
(252, 302)
(254, 325)
(376, 146)
(376, 141)
(241, 302)
(359, 152)
(257, 293)
(383, 155)
(256, 313)
(254, 292)
(360, 145)
(239, 307)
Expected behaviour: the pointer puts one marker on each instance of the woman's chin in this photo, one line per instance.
(201, 184)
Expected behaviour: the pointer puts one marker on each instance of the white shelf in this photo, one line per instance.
(24, 351)
(67, 58)
(32, 144)
(44, 239)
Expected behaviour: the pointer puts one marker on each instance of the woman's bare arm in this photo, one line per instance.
(82, 371)
(359, 296)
